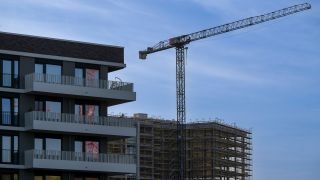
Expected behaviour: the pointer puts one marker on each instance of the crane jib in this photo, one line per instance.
(185, 39)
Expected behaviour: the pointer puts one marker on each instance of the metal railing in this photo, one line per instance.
(79, 119)
(9, 118)
(76, 81)
(81, 156)
(9, 156)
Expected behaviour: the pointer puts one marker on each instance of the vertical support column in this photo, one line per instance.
(181, 111)
(26, 66)
(68, 68)
(104, 70)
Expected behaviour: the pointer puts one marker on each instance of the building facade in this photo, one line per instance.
(55, 96)
(215, 150)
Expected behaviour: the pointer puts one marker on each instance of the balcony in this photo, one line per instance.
(113, 127)
(112, 91)
(78, 161)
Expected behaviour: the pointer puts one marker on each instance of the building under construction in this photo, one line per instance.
(215, 150)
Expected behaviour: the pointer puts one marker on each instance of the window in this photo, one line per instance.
(6, 111)
(91, 77)
(86, 178)
(86, 146)
(10, 73)
(47, 177)
(9, 111)
(48, 72)
(9, 149)
(52, 106)
(90, 111)
(6, 149)
(51, 144)
(6, 73)
(48, 106)
(79, 77)
(38, 144)
(9, 176)
(51, 109)
(48, 146)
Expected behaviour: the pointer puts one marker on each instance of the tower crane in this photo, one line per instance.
(179, 43)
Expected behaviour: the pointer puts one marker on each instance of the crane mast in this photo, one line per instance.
(179, 44)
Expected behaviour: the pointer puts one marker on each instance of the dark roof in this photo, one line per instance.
(59, 47)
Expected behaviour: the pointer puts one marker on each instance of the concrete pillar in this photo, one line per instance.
(104, 108)
(104, 70)
(26, 66)
(68, 106)
(104, 145)
(26, 104)
(67, 143)
(68, 68)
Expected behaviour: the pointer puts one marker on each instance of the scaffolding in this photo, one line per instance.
(215, 150)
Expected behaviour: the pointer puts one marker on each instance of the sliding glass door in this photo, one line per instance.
(10, 73)
(9, 111)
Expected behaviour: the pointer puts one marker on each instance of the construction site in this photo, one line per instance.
(214, 150)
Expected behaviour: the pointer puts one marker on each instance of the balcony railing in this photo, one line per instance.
(9, 156)
(79, 119)
(76, 81)
(9, 118)
(81, 156)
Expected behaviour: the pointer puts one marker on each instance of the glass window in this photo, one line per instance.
(92, 113)
(53, 177)
(78, 109)
(38, 178)
(92, 77)
(78, 146)
(16, 74)
(6, 111)
(53, 73)
(16, 110)
(15, 143)
(78, 76)
(39, 69)
(53, 144)
(92, 110)
(5, 177)
(6, 149)
(39, 105)
(16, 68)
(52, 106)
(38, 144)
(6, 73)
(92, 147)
(53, 69)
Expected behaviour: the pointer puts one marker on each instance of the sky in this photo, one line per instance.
(265, 77)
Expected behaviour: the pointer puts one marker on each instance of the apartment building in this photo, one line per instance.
(54, 122)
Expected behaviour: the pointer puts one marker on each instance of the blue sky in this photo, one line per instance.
(265, 77)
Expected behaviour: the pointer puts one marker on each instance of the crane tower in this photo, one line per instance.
(179, 44)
